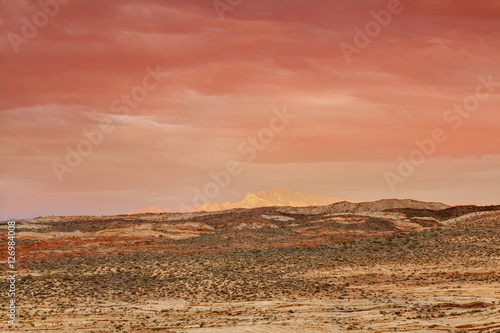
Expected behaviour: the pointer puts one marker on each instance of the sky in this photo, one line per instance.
(112, 106)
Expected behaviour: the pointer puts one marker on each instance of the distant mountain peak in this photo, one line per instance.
(274, 197)
(153, 209)
(251, 195)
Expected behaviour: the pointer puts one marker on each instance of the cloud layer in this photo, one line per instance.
(353, 120)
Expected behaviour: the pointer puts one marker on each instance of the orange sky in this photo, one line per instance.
(353, 119)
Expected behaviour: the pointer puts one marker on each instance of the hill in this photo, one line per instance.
(150, 210)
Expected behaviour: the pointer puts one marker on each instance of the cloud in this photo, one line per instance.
(226, 78)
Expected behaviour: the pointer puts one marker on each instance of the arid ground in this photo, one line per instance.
(386, 266)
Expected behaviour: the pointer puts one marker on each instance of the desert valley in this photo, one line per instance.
(382, 266)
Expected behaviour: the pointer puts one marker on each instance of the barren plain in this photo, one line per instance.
(385, 266)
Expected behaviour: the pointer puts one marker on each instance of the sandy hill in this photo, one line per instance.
(372, 206)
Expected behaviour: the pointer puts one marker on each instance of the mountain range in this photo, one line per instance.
(300, 203)
(275, 197)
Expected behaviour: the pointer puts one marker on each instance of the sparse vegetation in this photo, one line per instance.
(313, 270)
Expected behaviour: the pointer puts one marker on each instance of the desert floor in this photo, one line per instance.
(438, 279)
